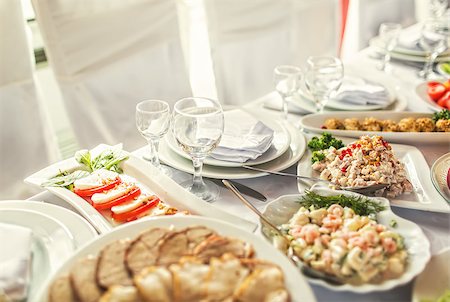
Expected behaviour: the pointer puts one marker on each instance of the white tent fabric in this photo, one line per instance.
(108, 56)
(23, 143)
(249, 38)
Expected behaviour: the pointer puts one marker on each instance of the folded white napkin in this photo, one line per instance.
(15, 260)
(362, 92)
(244, 138)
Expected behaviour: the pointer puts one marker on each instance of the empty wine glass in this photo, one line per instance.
(438, 8)
(198, 126)
(153, 122)
(434, 40)
(388, 33)
(287, 80)
(323, 77)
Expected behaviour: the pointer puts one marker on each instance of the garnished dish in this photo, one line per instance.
(439, 122)
(367, 161)
(99, 180)
(439, 93)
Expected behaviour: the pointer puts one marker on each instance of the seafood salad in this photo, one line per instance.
(354, 248)
(365, 162)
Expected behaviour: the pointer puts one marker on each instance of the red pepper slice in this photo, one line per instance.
(436, 90)
(135, 192)
(92, 191)
(132, 215)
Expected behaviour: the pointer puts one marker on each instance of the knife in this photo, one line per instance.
(243, 188)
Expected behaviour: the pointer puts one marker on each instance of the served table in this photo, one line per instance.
(436, 226)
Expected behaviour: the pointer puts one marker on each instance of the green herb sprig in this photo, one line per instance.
(361, 205)
(441, 115)
(324, 142)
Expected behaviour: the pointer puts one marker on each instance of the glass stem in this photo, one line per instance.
(285, 108)
(427, 69)
(153, 145)
(386, 59)
(197, 183)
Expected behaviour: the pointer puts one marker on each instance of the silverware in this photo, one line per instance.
(282, 243)
(361, 189)
(243, 188)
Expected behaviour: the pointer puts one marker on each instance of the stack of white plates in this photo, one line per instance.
(287, 148)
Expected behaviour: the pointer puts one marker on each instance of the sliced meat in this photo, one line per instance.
(61, 290)
(261, 285)
(119, 293)
(143, 251)
(154, 284)
(83, 280)
(189, 278)
(111, 269)
(280, 295)
(216, 246)
(197, 234)
(172, 247)
(224, 276)
(254, 264)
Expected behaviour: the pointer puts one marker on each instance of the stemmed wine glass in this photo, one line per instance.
(198, 127)
(388, 33)
(287, 80)
(323, 76)
(434, 39)
(153, 122)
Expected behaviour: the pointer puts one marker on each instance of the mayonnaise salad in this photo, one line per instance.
(351, 247)
(365, 162)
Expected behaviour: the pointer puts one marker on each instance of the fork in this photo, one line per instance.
(282, 243)
(360, 189)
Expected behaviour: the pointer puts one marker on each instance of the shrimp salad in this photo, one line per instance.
(365, 162)
(351, 247)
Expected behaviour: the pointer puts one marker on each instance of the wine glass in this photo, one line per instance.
(153, 122)
(287, 80)
(434, 39)
(323, 77)
(388, 33)
(438, 8)
(198, 127)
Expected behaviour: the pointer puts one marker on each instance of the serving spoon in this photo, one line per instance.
(282, 243)
(359, 189)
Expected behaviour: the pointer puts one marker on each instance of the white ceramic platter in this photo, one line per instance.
(52, 243)
(290, 157)
(314, 122)
(281, 210)
(295, 282)
(149, 178)
(81, 230)
(434, 280)
(280, 143)
(421, 91)
(439, 172)
(424, 197)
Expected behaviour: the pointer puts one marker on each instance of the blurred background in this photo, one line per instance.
(72, 71)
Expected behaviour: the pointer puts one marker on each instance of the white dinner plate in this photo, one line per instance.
(149, 179)
(424, 196)
(434, 280)
(439, 176)
(81, 230)
(421, 91)
(296, 284)
(280, 143)
(304, 95)
(314, 122)
(283, 208)
(52, 243)
(290, 157)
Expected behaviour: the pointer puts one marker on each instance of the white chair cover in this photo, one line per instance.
(107, 56)
(249, 38)
(23, 143)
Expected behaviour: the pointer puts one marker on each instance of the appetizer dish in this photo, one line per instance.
(367, 161)
(194, 263)
(99, 181)
(350, 237)
(439, 93)
(439, 122)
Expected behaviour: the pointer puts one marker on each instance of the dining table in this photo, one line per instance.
(436, 226)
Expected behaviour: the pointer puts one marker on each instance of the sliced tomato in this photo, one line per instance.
(132, 215)
(92, 191)
(444, 100)
(436, 90)
(135, 192)
(447, 84)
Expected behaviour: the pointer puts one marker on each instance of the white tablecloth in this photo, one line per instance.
(435, 225)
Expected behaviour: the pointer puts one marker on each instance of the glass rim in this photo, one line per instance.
(166, 106)
(332, 61)
(213, 101)
(279, 69)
